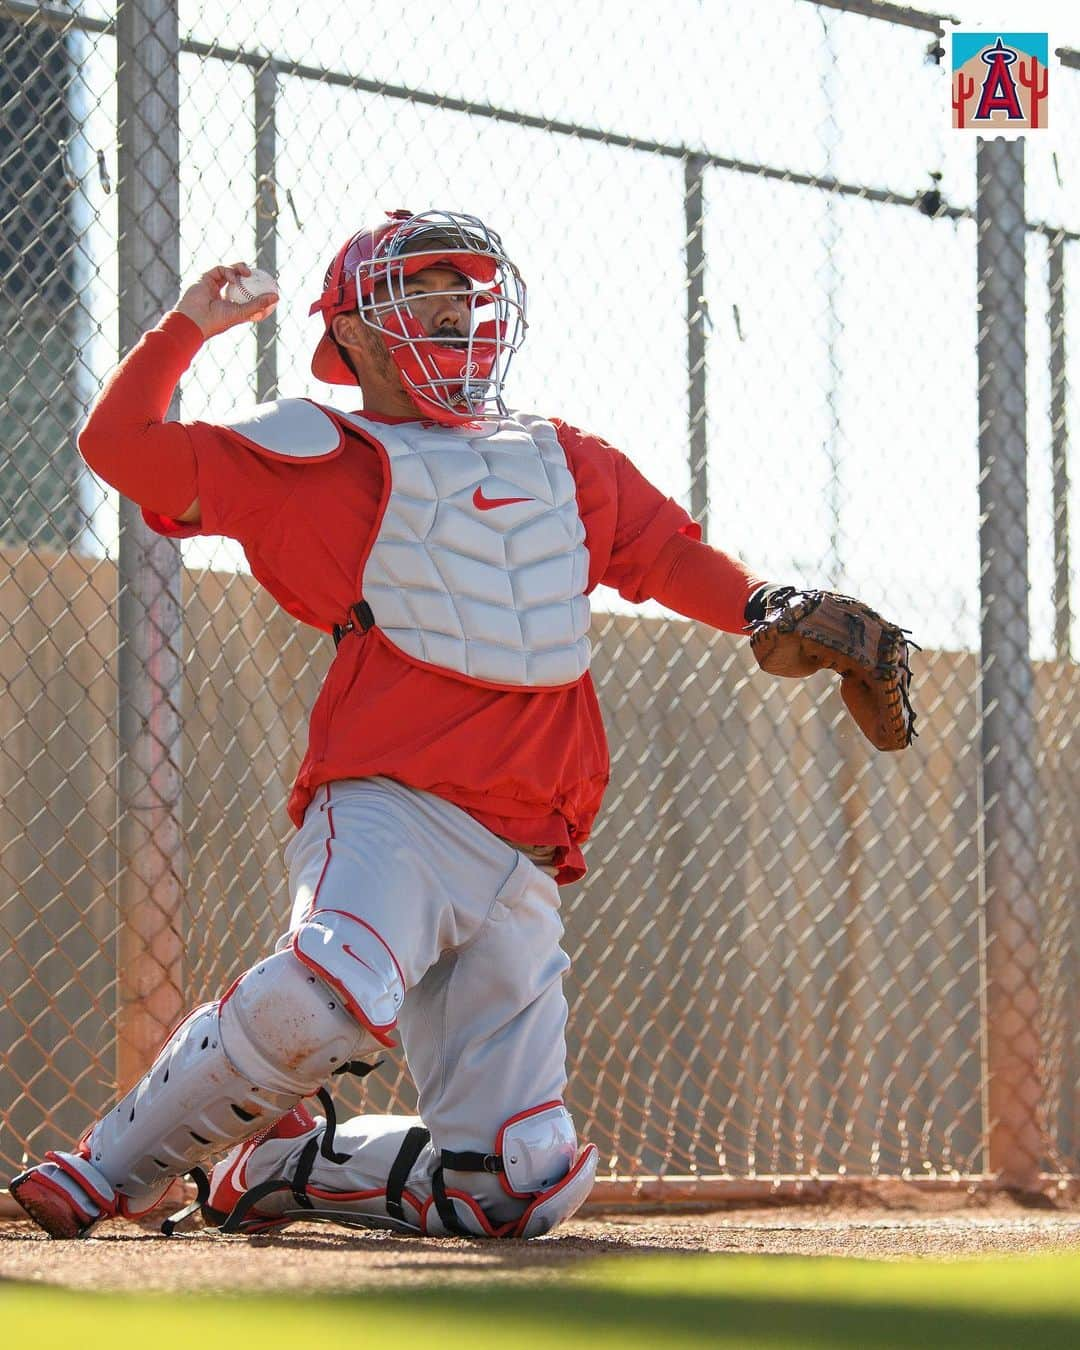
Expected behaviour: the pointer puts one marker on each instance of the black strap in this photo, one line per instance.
(767, 596)
(234, 1223)
(362, 619)
(302, 1175)
(472, 1162)
(202, 1194)
(358, 1067)
(326, 1148)
(445, 1206)
(414, 1143)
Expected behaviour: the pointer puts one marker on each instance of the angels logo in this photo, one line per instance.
(999, 83)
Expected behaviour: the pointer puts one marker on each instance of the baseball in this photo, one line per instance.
(251, 287)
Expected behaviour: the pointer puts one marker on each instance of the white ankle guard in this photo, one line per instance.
(546, 1210)
(561, 1201)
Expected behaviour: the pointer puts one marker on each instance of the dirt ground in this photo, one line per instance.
(122, 1256)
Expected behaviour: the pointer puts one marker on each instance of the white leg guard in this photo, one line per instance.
(228, 1070)
(193, 1100)
(387, 1175)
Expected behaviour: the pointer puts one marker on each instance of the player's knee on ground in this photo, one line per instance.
(535, 1179)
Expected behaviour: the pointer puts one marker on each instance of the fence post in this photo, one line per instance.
(696, 318)
(1009, 813)
(266, 214)
(150, 895)
(1059, 440)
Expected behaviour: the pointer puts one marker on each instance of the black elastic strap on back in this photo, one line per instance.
(414, 1143)
(359, 1068)
(472, 1162)
(445, 1206)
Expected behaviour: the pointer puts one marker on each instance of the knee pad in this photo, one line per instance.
(357, 964)
(537, 1148)
(285, 1029)
(537, 1162)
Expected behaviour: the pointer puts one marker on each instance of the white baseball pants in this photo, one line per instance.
(474, 927)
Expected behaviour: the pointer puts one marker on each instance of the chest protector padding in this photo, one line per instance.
(479, 565)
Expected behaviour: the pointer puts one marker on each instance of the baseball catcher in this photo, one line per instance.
(455, 761)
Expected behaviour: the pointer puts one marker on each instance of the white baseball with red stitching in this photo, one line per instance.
(252, 287)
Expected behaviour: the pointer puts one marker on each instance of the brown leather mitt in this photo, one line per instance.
(806, 631)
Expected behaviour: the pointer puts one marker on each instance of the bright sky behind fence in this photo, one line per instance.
(841, 349)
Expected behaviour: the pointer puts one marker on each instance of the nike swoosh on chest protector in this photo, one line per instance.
(499, 599)
(483, 503)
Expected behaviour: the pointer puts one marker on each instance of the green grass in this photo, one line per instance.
(754, 1303)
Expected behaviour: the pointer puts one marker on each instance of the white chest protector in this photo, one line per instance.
(478, 565)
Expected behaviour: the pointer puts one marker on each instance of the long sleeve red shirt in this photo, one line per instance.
(531, 765)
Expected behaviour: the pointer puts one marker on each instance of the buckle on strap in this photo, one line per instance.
(362, 619)
(472, 1162)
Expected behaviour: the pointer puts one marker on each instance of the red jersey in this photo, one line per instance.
(529, 764)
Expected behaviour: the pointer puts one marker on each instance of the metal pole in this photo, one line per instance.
(1009, 787)
(266, 213)
(1059, 440)
(150, 893)
(696, 319)
(830, 140)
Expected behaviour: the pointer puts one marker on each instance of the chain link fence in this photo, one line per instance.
(832, 327)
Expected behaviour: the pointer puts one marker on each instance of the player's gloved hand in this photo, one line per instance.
(205, 305)
(800, 632)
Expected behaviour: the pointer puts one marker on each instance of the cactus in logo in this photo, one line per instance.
(963, 88)
(1029, 78)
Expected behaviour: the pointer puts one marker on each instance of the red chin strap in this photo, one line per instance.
(448, 383)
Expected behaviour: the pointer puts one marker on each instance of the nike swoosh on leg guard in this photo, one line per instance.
(355, 962)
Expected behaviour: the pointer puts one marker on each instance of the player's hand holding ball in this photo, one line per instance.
(226, 296)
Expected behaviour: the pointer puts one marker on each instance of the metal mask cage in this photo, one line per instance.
(493, 290)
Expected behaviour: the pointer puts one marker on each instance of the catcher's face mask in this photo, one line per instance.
(452, 378)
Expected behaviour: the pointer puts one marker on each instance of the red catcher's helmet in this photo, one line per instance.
(451, 380)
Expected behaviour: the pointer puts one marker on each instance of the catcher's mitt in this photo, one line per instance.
(806, 631)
